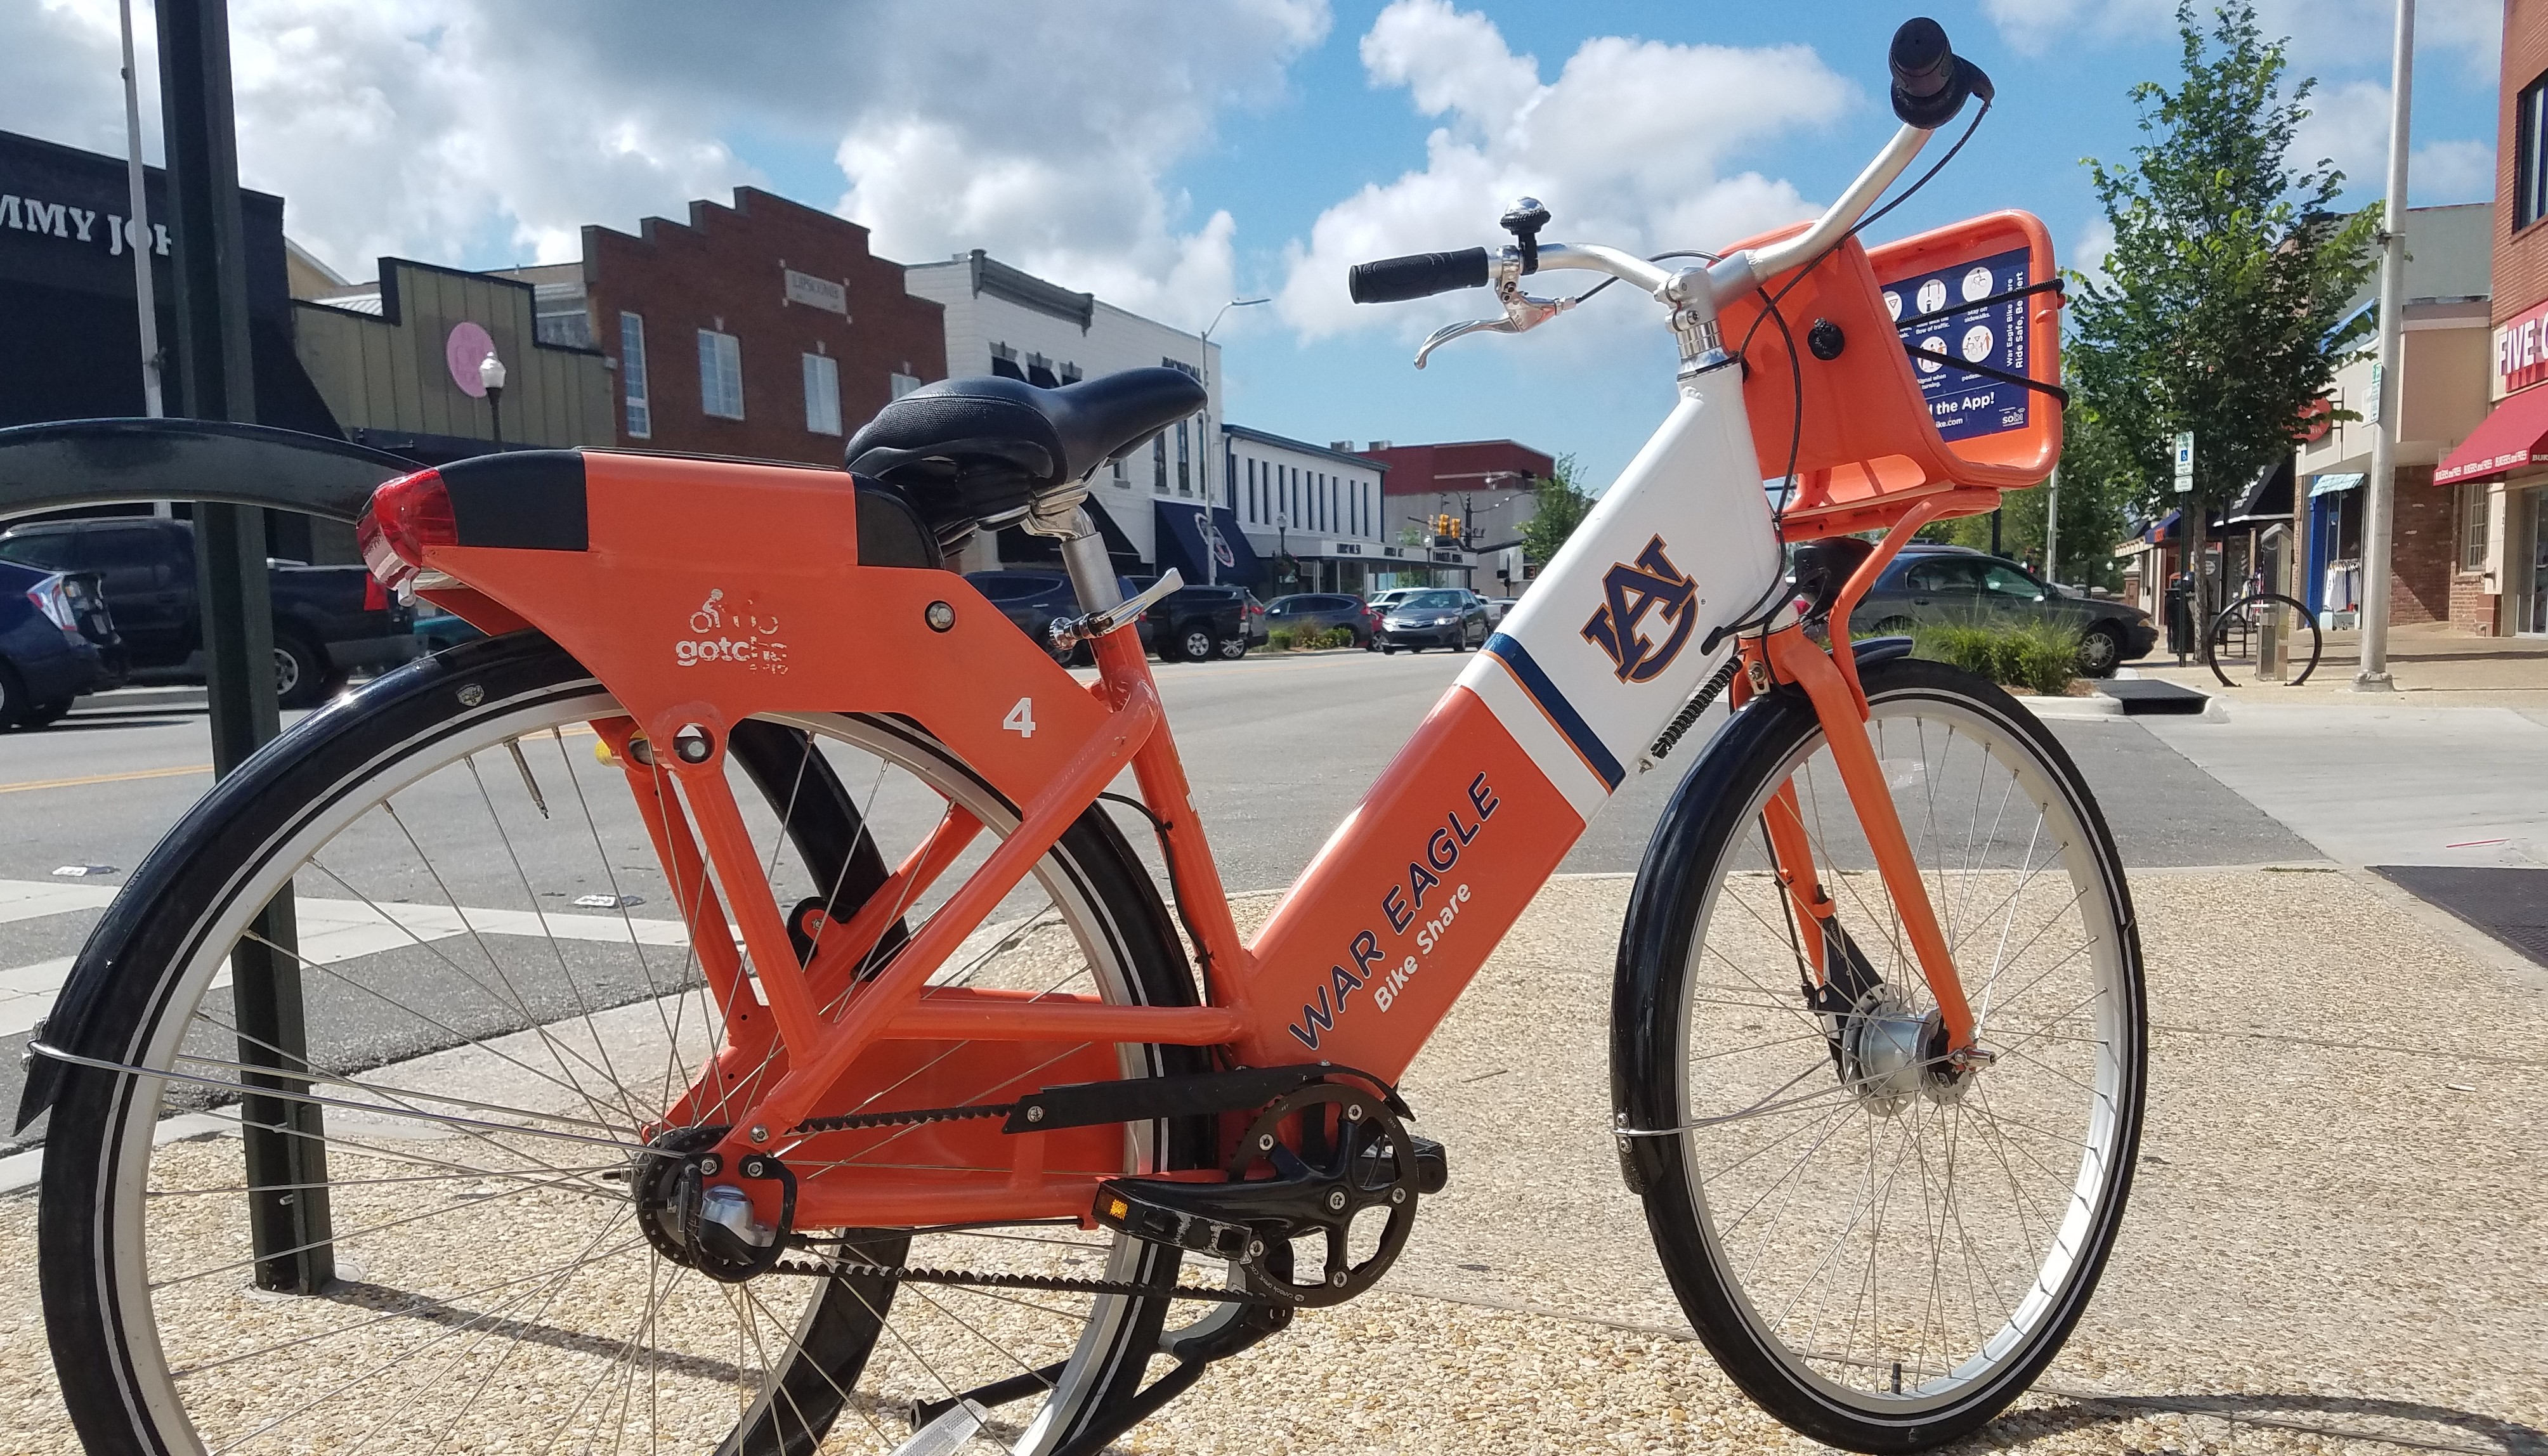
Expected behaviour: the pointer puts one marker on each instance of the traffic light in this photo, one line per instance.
(1446, 529)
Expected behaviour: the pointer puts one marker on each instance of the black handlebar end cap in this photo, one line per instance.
(1930, 83)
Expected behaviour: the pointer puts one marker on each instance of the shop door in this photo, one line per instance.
(2534, 601)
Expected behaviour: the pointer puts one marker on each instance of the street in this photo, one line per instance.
(1278, 750)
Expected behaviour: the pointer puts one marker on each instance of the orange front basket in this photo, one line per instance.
(1883, 433)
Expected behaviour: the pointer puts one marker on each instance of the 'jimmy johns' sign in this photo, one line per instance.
(78, 224)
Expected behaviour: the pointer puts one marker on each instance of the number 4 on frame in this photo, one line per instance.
(1021, 719)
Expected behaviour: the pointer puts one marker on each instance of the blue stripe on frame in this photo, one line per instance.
(1559, 711)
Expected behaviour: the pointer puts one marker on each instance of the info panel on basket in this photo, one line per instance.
(1964, 405)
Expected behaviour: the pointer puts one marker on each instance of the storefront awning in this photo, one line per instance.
(2269, 498)
(1181, 544)
(2160, 528)
(2514, 436)
(2335, 485)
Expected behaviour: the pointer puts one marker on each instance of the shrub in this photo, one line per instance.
(1306, 639)
(1280, 639)
(2040, 657)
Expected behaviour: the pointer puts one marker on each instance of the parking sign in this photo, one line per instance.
(2185, 463)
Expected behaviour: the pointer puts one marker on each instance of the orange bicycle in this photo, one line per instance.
(736, 1017)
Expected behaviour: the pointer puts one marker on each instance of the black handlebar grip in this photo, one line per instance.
(1930, 83)
(1417, 276)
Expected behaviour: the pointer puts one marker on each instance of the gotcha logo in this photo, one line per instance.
(724, 633)
(1630, 591)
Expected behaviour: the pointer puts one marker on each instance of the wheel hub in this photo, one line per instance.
(697, 1212)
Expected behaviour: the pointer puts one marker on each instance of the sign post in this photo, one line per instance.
(2185, 463)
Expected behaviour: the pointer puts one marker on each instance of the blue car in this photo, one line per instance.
(57, 642)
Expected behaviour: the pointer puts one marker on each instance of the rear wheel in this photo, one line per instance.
(495, 974)
(1881, 1254)
(301, 677)
(1231, 649)
(1194, 643)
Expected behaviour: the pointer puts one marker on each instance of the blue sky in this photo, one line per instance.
(1169, 154)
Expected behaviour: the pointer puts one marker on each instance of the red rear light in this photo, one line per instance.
(404, 517)
(376, 597)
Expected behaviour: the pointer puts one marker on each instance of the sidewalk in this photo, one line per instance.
(2324, 1250)
(2434, 663)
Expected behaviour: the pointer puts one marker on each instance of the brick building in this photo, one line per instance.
(1492, 485)
(764, 329)
(2499, 473)
(2441, 399)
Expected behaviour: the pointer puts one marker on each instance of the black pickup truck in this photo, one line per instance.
(327, 619)
(1197, 623)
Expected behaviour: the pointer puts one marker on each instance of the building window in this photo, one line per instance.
(822, 394)
(1070, 374)
(1159, 462)
(632, 376)
(2473, 524)
(904, 384)
(1184, 466)
(720, 374)
(2530, 155)
(1004, 362)
(1251, 490)
(1117, 463)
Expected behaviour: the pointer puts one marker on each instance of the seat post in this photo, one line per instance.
(1092, 570)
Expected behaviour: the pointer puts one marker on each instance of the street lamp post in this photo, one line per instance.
(1211, 451)
(490, 374)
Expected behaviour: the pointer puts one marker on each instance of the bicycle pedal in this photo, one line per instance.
(1128, 1205)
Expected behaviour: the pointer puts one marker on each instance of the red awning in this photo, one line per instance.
(2514, 436)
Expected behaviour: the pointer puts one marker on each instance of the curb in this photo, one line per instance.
(142, 700)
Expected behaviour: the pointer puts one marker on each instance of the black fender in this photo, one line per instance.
(1652, 936)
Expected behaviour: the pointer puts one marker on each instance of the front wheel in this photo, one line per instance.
(2101, 649)
(1880, 1253)
(502, 1004)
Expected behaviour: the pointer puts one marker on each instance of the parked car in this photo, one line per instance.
(328, 620)
(1382, 601)
(1197, 623)
(1496, 607)
(1258, 629)
(1957, 585)
(1323, 611)
(57, 641)
(1439, 616)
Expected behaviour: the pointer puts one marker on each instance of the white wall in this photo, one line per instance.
(1114, 340)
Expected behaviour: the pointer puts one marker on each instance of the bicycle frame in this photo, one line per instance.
(671, 596)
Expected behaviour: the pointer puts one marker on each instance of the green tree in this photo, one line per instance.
(2229, 274)
(1561, 506)
(2101, 487)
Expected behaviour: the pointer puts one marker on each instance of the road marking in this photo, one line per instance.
(87, 778)
(331, 931)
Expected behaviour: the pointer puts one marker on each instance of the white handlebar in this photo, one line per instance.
(1745, 270)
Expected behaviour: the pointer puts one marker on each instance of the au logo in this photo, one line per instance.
(1630, 591)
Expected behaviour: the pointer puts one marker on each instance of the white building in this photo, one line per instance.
(1318, 516)
(1001, 321)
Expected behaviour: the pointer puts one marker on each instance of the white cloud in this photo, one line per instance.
(447, 129)
(2348, 124)
(2324, 33)
(1628, 145)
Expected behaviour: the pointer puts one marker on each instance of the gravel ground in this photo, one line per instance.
(2334, 1242)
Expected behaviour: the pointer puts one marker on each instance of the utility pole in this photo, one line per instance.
(1212, 449)
(2052, 528)
(2380, 515)
(138, 234)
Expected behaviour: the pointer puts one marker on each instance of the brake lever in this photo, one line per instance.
(1522, 313)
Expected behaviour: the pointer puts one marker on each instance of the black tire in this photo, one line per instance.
(1696, 864)
(2101, 649)
(46, 714)
(14, 704)
(1389, 649)
(153, 954)
(302, 677)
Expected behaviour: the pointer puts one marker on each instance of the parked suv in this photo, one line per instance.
(1957, 585)
(1317, 611)
(1439, 616)
(327, 619)
(1197, 623)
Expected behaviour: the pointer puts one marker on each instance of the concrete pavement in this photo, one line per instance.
(2327, 1247)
